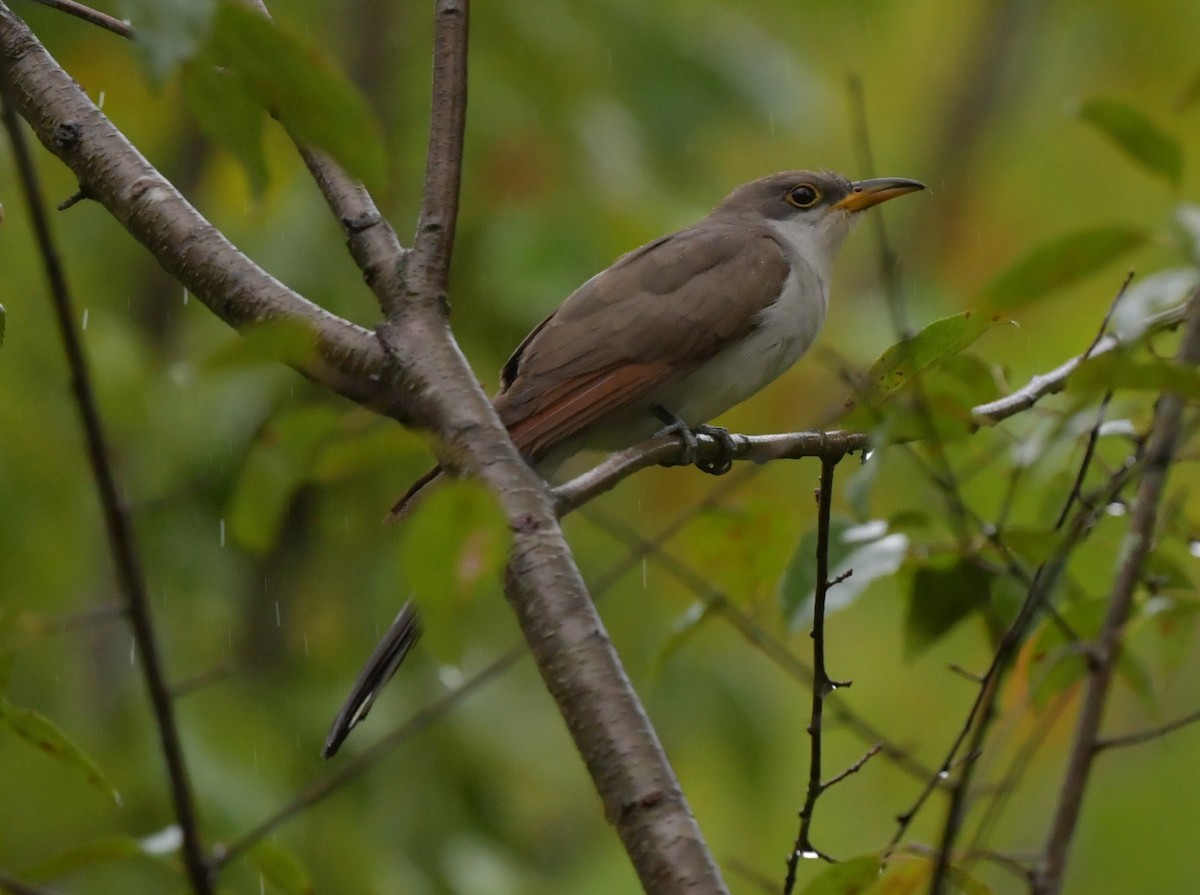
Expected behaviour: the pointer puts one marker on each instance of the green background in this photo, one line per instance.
(593, 127)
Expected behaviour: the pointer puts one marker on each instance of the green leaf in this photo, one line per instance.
(38, 730)
(297, 84)
(282, 868)
(845, 878)
(1139, 137)
(1174, 617)
(266, 344)
(1059, 263)
(278, 463)
(168, 31)
(941, 596)
(868, 550)
(228, 113)
(1057, 663)
(936, 343)
(902, 876)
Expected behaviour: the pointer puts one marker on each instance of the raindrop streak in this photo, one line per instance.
(132, 651)
(278, 620)
(100, 100)
(85, 318)
(222, 526)
(644, 573)
(185, 295)
(1194, 548)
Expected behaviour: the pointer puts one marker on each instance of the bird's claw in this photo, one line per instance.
(690, 455)
(723, 462)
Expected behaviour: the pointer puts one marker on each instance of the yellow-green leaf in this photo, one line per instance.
(845, 878)
(935, 344)
(38, 730)
(1059, 263)
(282, 868)
(1139, 137)
(295, 82)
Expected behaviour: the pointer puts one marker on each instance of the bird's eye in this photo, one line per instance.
(804, 196)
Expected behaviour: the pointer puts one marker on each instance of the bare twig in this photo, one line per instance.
(982, 708)
(92, 16)
(1149, 735)
(1160, 450)
(121, 538)
(771, 647)
(823, 684)
(667, 448)
(1055, 381)
(889, 263)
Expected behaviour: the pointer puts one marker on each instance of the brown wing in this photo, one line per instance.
(648, 320)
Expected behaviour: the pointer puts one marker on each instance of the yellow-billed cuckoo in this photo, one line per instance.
(679, 330)
(685, 327)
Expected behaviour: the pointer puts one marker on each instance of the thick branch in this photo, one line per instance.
(344, 357)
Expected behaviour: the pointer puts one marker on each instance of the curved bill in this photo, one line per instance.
(865, 193)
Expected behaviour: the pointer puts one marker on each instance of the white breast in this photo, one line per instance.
(785, 331)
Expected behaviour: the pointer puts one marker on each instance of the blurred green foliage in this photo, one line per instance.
(1054, 133)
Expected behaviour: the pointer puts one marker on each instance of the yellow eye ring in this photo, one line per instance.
(803, 196)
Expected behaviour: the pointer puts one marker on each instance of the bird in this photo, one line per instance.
(671, 334)
(683, 328)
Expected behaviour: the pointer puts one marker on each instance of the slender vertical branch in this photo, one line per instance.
(1160, 451)
(116, 517)
(434, 241)
(822, 684)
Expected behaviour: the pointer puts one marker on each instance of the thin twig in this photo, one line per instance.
(1160, 450)
(823, 685)
(1149, 735)
(889, 262)
(770, 646)
(993, 412)
(121, 538)
(667, 448)
(92, 16)
(978, 716)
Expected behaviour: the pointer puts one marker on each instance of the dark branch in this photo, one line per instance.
(92, 16)
(121, 539)
(1160, 451)
(822, 686)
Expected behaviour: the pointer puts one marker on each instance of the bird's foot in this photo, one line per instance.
(720, 464)
(676, 426)
(723, 462)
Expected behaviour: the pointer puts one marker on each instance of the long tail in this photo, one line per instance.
(404, 505)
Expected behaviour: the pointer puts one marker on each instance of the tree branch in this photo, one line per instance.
(92, 16)
(1039, 386)
(342, 356)
(1160, 451)
(122, 541)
